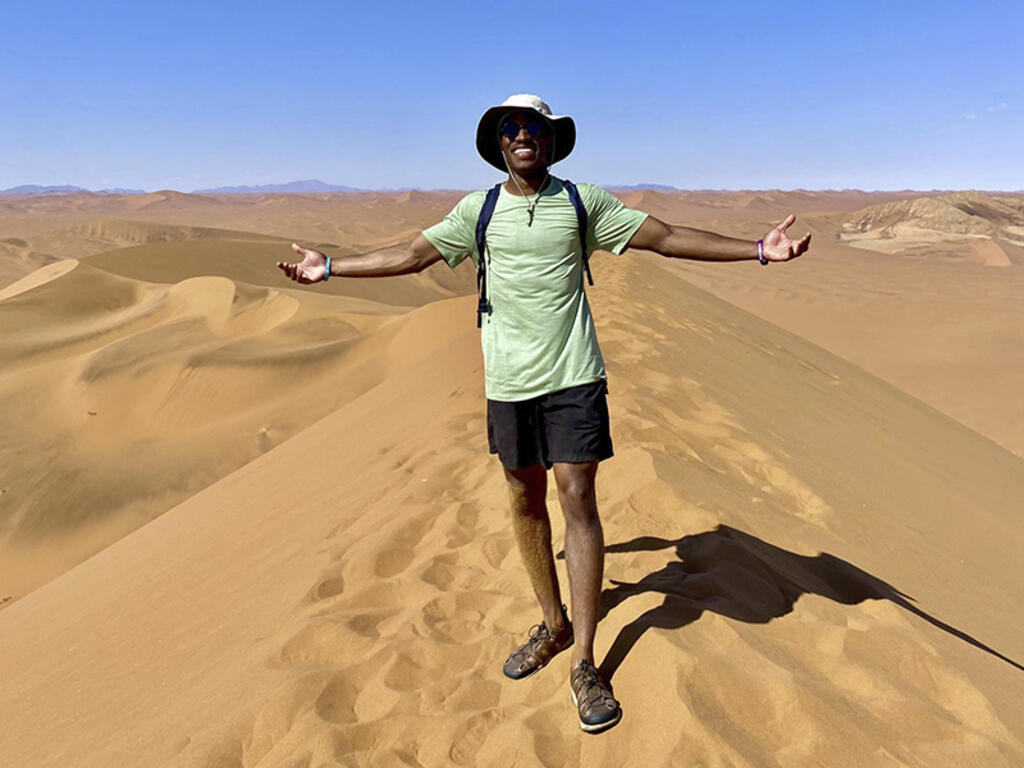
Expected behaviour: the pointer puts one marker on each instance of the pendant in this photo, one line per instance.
(530, 212)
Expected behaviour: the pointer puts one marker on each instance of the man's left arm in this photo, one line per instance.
(687, 243)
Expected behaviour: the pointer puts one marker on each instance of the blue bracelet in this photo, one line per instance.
(327, 274)
(760, 253)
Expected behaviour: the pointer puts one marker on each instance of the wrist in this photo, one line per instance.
(760, 253)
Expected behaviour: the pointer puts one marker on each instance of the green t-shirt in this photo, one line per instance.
(539, 337)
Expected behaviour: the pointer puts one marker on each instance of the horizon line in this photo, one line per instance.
(242, 190)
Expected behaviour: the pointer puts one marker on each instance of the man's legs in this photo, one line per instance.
(528, 492)
(584, 551)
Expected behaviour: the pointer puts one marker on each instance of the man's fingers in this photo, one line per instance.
(799, 247)
(787, 223)
(294, 271)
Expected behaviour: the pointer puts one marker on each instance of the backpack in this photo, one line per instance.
(484, 305)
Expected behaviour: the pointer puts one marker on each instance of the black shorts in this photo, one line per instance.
(570, 425)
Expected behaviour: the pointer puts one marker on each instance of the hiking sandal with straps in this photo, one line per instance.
(538, 650)
(597, 708)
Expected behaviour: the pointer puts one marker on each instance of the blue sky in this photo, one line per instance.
(185, 95)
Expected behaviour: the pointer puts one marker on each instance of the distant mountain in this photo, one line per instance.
(35, 189)
(957, 213)
(959, 226)
(309, 186)
(632, 187)
(65, 189)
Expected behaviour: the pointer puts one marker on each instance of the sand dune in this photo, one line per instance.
(123, 232)
(931, 319)
(656, 203)
(168, 199)
(302, 551)
(965, 213)
(49, 224)
(254, 262)
(962, 225)
(973, 374)
(805, 563)
(18, 258)
(140, 394)
(743, 203)
(948, 331)
(98, 235)
(37, 277)
(201, 322)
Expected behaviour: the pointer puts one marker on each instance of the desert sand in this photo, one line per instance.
(244, 523)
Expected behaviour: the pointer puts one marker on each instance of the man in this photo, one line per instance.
(544, 375)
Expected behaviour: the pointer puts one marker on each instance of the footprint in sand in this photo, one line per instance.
(324, 642)
(335, 704)
(392, 562)
(327, 587)
(459, 617)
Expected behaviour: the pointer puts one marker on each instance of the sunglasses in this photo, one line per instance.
(510, 129)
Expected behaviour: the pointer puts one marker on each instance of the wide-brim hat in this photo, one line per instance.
(489, 145)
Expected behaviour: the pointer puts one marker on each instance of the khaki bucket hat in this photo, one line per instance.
(489, 147)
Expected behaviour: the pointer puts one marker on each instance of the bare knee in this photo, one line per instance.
(527, 490)
(579, 505)
(576, 493)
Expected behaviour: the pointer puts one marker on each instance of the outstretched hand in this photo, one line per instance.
(778, 246)
(311, 269)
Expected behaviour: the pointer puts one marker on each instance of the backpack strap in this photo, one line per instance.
(483, 305)
(581, 221)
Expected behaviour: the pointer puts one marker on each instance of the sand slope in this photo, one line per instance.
(144, 373)
(347, 598)
(254, 262)
(924, 317)
(58, 225)
(122, 398)
(960, 226)
(18, 258)
(949, 332)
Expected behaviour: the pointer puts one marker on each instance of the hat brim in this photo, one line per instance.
(489, 147)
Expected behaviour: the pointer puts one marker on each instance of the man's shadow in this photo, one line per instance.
(737, 575)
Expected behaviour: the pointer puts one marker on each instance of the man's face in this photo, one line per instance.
(526, 154)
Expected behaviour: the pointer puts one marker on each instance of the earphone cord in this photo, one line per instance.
(530, 206)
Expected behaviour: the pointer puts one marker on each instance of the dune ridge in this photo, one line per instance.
(948, 332)
(302, 553)
(18, 258)
(805, 565)
(966, 225)
(965, 213)
(123, 232)
(339, 218)
(120, 384)
(972, 374)
(115, 364)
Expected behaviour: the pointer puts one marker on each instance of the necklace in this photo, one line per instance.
(531, 207)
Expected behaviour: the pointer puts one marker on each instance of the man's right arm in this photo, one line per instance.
(401, 259)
